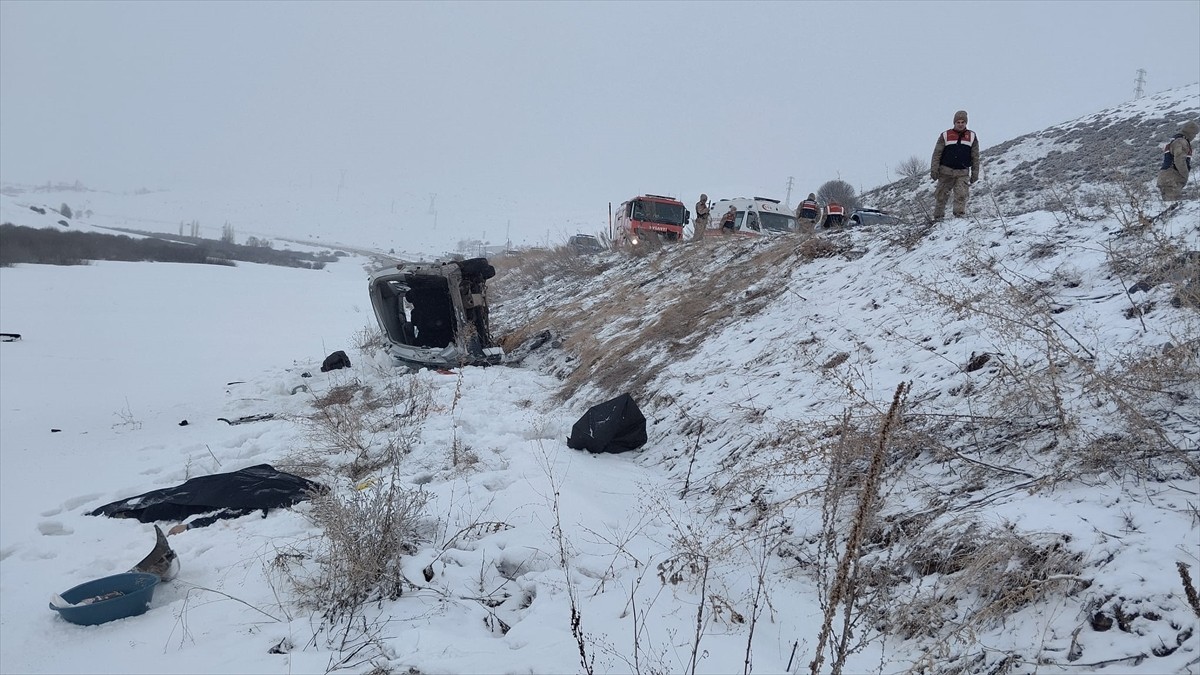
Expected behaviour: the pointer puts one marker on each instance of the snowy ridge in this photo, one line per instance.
(1081, 161)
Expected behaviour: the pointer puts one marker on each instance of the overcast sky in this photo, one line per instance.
(571, 103)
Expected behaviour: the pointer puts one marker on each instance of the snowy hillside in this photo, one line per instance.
(961, 448)
(1081, 162)
(1043, 477)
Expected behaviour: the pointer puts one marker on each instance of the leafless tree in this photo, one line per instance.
(913, 166)
(841, 192)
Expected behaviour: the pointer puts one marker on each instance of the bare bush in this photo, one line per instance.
(369, 340)
(365, 535)
(1024, 400)
(909, 233)
(376, 427)
(960, 578)
(913, 166)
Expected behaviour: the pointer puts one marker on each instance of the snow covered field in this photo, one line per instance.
(1038, 499)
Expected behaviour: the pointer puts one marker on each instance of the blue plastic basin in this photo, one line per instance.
(135, 588)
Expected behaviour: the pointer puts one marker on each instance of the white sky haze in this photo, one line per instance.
(521, 106)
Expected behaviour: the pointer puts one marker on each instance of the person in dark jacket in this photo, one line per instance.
(808, 212)
(954, 167)
(835, 214)
(1176, 163)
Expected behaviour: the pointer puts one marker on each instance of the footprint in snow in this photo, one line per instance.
(76, 502)
(53, 528)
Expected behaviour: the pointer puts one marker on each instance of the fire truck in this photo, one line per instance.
(650, 216)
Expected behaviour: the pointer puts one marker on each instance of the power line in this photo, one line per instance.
(1140, 82)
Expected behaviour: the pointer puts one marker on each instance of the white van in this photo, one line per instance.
(756, 216)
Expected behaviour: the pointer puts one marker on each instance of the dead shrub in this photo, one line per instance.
(967, 578)
(364, 536)
(369, 340)
(1128, 201)
(909, 233)
(339, 395)
(819, 247)
(376, 427)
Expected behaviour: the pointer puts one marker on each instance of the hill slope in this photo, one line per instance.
(1082, 162)
(1037, 481)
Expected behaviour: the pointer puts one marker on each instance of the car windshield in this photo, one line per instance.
(777, 222)
(658, 212)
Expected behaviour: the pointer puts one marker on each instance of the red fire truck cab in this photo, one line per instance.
(649, 216)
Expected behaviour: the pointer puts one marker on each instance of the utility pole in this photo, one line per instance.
(787, 201)
(1140, 82)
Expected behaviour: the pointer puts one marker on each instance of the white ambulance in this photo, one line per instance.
(753, 217)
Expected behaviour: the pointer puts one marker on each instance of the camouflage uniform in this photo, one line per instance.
(727, 220)
(702, 217)
(1177, 163)
(807, 213)
(955, 167)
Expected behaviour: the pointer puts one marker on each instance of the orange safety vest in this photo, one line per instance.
(836, 210)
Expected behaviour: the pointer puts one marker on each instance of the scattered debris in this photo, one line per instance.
(219, 496)
(247, 418)
(161, 560)
(617, 425)
(335, 361)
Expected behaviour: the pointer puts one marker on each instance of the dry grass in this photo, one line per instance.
(374, 427)
(528, 269)
(959, 578)
(365, 535)
(370, 339)
(602, 332)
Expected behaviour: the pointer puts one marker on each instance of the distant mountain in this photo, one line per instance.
(1076, 160)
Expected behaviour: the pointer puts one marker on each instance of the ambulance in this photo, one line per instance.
(754, 217)
(650, 215)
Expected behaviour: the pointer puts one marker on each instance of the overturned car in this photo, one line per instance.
(435, 315)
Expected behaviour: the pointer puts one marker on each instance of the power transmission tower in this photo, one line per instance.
(787, 200)
(1140, 82)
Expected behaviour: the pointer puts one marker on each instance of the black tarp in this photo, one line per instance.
(231, 494)
(617, 425)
